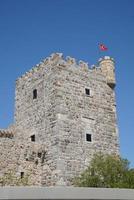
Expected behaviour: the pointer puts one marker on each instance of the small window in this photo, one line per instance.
(88, 137)
(35, 94)
(33, 138)
(22, 174)
(87, 91)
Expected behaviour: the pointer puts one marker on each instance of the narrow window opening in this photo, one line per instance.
(34, 94)
(33, 138)
(22, 174)
(88, 137)
(87, 91)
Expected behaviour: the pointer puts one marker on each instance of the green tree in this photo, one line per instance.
(108, 171)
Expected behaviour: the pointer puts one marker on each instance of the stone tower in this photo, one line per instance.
(64, 113)
(70, 110)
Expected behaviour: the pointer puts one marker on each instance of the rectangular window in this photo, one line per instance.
(88, 137)
(87, 91)
(35, 94)
(33, 138)
(22, 174)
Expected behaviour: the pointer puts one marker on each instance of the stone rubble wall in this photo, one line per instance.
(9, 153)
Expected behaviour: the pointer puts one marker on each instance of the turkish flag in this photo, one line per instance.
(102, 47)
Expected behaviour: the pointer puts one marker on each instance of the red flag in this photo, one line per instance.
(102, 47)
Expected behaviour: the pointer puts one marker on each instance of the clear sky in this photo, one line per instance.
(31, 30)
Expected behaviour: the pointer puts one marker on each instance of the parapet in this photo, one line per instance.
(5, 133)
(106, 58)
(104, 68)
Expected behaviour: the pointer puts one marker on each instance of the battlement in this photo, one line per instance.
(5, 133)
(106, 58)
(57, 59)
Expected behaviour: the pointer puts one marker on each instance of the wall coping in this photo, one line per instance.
(65, 193)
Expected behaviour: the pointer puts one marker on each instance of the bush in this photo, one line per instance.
(107, 171)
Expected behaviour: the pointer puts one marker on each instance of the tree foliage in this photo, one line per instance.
(107, 171)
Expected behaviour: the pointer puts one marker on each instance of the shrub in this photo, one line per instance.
(108, 171)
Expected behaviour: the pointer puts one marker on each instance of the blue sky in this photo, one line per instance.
(31, 30)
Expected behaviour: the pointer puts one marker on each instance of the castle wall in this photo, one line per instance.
(9, 153)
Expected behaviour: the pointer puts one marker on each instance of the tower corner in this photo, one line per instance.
(107, 66)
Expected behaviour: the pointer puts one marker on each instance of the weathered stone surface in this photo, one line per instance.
(59, 119)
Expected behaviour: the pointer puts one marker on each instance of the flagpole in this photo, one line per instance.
(99, 51)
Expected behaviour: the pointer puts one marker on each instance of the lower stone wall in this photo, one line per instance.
(23, 162)
(9, 155)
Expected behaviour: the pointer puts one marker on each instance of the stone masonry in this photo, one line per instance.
(64, 113)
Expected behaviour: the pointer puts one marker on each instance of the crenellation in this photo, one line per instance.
(57, 58)
(70, 60)
(6, 133)
(83, 65)
(107, 58)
